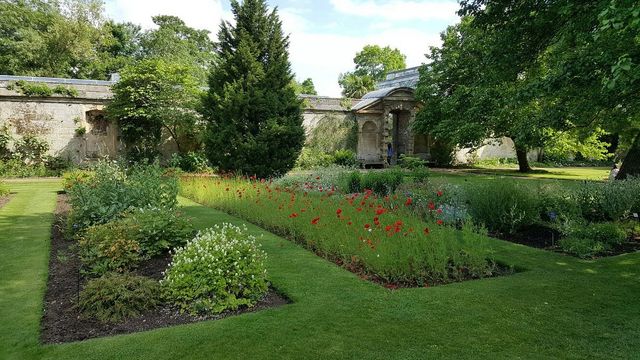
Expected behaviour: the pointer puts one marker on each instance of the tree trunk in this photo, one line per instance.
(631, 163)
(523, 161)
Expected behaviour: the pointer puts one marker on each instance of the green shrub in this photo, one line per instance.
(114, 190)
(109, 247)
(17, 168)
(421, 174)
(312, 158)
(382, 182)
(221, 268)
(503, 207)
(352, 182)
(593, 239)
(345, 157)
(115, 297)
(157, 229)
(193, 162)
(4, 189)
(411, 162)
(612, 200)
(557, 205)
(78, 176)
(583, 248)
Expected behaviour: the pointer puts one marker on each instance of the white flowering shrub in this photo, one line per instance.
(222, 268)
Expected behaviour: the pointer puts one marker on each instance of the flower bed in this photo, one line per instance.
(375, 236)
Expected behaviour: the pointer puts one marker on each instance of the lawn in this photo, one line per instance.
(559, 307)
(560, 173)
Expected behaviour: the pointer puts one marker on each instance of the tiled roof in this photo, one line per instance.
(402, 78)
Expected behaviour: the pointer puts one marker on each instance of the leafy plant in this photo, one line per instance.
(193, 162)
(345, 157)
(115, 189)
(4, 189)
(311, 158)
(222, 268)
(382, 182)
(411, 162)
(156, 229)
(76, 177)
(110, 247)
(593, 239)
(115, 297)
(80, 131)
(505, 207)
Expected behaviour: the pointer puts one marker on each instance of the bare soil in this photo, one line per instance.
(62, 322)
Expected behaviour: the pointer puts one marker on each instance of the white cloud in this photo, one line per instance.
(398, 9)
(323, 56)
(199, 14)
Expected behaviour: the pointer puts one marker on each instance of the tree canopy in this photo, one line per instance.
(306, 87)
(372, 65)
(253, 114)
(515, 68)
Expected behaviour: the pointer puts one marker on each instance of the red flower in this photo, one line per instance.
(349, 223)
(293, 215)
(399, 223)
(339, 211)
(432, 206)
(359, 209)
(439, 193)
(440, 222)
(387, 228)
(366, 226)
(380, 211)
(426, 231)
(408, 202)
(315, 221)
(439, 211)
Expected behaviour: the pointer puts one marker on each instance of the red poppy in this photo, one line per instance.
(432, 206)
(408, 202)
(399, 223)
(380, 211)
(315, 221)
(339, 211)
(293, 215)
(440, 222)
(366, 226)
(349, 223)
(359, 209)
(439, 193)
(387, 228)
(426, 231)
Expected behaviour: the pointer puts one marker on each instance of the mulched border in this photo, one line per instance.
(545, 238)
(61, 321)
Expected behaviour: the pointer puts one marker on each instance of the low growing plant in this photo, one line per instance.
(593, 239)
(157, 229)
(115, 297)
(109, 247)
(222, 268)
(503, 207)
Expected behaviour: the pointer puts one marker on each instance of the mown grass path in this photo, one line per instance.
(560, 307)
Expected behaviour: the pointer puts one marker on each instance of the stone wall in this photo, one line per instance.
(56, 118)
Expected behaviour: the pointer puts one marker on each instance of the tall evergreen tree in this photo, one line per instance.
(254, 116)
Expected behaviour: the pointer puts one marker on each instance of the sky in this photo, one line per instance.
(324, 35)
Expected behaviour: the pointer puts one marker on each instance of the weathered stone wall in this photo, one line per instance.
(56, 118)
(502, 148)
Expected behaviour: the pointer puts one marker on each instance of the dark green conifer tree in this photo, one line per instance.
(254, 117)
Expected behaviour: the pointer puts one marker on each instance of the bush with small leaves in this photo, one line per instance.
(505, 207)
(157, 229)
(109, 247)
(115, 297)
(222, 268)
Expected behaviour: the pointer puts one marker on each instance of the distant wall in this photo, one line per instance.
(59, 116)
(502, 148)
(56, 118)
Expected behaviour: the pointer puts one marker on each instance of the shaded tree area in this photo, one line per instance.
(519, 68)
(73, 39)
(253, 114)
